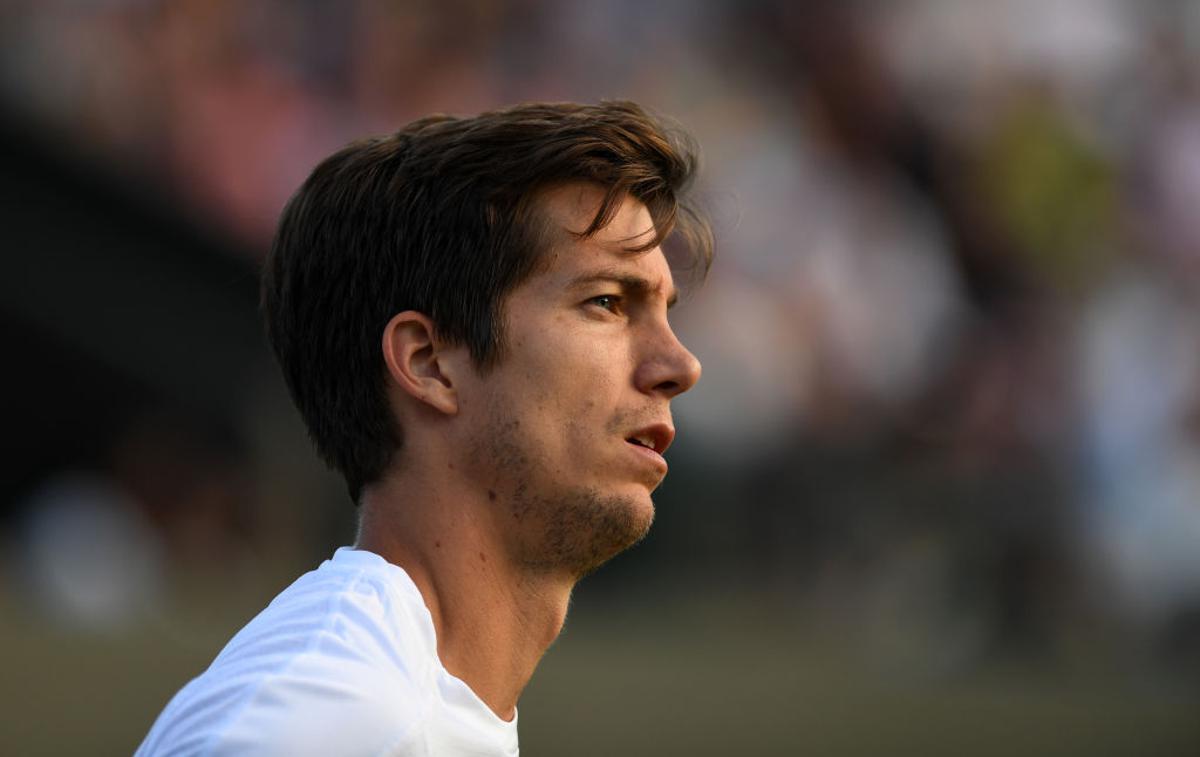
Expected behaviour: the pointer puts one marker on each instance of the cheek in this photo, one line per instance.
(571, 384)
(574, 410)
(586, 387)
(590, 414)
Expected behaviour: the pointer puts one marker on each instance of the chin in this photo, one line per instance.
(588, 528)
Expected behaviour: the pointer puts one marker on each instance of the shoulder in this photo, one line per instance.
(312, 709)
(338, 663)
(340, 613)
(317, 705)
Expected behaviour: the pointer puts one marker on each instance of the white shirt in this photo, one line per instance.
(343, 662)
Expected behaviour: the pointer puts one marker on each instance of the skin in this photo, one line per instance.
(516, 482)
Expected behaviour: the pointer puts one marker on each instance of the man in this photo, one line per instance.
(471, 316)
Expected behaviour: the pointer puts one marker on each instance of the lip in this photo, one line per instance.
(648, 455)
(660, 435)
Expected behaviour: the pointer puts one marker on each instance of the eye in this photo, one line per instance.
(609, 302)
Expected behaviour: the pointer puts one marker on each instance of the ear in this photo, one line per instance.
(416, 361)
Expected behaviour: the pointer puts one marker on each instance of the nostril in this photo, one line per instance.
(669, 389)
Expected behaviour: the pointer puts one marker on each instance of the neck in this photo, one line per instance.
(494, 619)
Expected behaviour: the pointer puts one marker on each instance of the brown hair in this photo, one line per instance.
(441, 217)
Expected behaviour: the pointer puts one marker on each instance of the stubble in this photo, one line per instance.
(555, 527)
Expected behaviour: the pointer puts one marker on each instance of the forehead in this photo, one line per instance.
(569, 210)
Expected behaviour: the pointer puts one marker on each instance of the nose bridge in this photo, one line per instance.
(667, 366)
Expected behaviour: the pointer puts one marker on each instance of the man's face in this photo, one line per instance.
(567, 431)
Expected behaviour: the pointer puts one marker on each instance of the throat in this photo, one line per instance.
(495, 642)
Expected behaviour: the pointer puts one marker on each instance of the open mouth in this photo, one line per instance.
(647, 443)
(655, 438)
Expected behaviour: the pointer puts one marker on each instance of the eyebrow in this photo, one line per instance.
(628, 282)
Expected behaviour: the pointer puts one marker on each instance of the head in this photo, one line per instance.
(456, 222)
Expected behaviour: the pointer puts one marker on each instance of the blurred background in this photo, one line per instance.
(937, 493)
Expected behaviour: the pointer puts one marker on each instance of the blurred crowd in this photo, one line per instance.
(951, 343)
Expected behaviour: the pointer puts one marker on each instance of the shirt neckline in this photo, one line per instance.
(398, 579)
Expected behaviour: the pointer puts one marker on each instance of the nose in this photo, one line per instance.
(668, 369)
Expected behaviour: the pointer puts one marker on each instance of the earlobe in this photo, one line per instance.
(413, 356)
